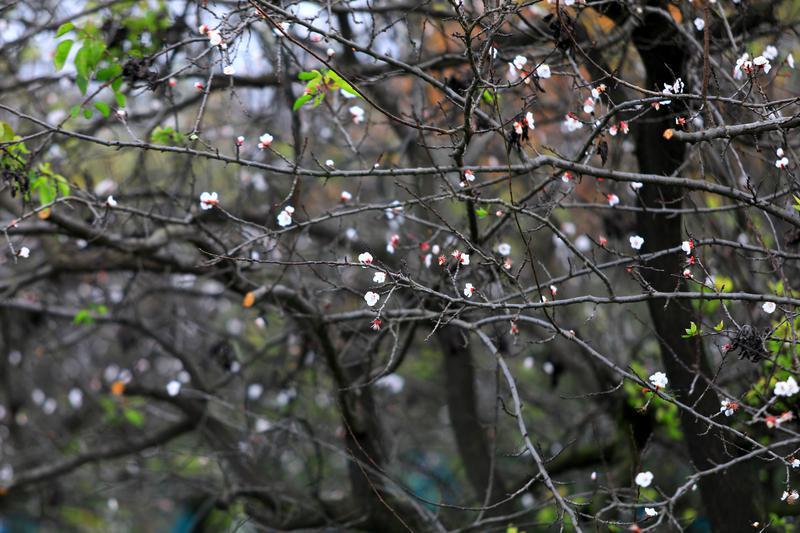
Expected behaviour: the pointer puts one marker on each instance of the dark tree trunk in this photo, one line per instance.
(471, 437)
(730, 497)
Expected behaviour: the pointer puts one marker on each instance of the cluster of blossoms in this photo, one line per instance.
(659, 380)
(372, 297)
(688, 248)
(394, 241)
(469, 177)
(744, 65)
(517, 69)
(782, 162)
(591, 101)
(616, 128)
(572, 123)
(285, 216)
(728, 407)
(775, 421)
(787, 388)
(214, 36)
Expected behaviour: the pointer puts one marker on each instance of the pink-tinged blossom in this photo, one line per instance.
(208, 200)
(469, 290)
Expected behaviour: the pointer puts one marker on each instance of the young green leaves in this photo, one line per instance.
(318, 83)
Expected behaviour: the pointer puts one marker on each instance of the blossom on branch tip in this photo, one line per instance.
(371, 298)
(728, 407)
(786, 388)
(769, 307)
(365, 258)
(644, 479)
(24, 252)
(174, 387)
(636, 242)
(265, 140)
(208, 200)
(111, 202)
(285, 216)
(379, 277)
(543, 71)
(461, 257)
(659, 380)
(357, 114)
(469, 290)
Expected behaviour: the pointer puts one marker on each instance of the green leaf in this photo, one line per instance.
(75, 111)
(692, 331)
(300, 102)
(95, 53)
(120, 98)
(87, 113)
(305, 76)
(318, 99)
(116, 84)
(796, 202)
(82, 61)
(62, 51)
(64, 28)
(6, 132)
(103, 108)
(83, 318)
(134, 417)
(82, 82)
(719, 326)
(481, 212)
(109, 72)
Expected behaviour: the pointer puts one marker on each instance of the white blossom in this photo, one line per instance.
(769, 307)
(174, 387)
(265, 140)
(371, 298)
(699, 23)
(659, 380)
(379, 277)
(787, 388)
(208, 200)
(357, 113)
(644, 479)
(636, 242)
(543, 71)
(469, 290)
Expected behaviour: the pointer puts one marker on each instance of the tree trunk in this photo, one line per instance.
(731, 496)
